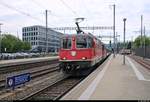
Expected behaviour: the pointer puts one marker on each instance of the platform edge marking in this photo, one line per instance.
(136, 71)
(91, 88)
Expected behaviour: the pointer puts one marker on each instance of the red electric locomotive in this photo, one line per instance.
(80, 52)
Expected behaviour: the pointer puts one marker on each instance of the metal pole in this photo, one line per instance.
(64, 31)
(141, 30)
(0, 40)
(46, 33)
(144, 45)
(114, 27)
(132, 44)
(116, 39)
(124, 40)
(119, 42)
(93, 29)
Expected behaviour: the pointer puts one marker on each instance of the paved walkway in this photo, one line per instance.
(114, 81)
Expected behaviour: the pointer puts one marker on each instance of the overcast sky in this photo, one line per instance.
(15, 14)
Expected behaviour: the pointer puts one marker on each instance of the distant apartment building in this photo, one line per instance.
(36, 36)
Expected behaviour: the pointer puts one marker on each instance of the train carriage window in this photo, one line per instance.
(66, 43)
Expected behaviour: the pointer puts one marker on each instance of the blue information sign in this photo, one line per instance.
(18, 79)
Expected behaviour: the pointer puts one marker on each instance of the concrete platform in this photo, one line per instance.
(25, 60)
(114, 81)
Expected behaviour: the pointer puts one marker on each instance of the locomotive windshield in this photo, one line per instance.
(66, 43)
(84, 42)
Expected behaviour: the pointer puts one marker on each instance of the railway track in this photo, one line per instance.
(47, 87)
(23, 66)
(56, 90)
(143, 62)
(32, 87)
(35, 74)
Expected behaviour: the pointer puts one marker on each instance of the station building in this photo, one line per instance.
(36, 36)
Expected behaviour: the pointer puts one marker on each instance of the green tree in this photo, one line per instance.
(137, 41)
(26, 46)
(13, 44)
(129, 46)
(8, 43)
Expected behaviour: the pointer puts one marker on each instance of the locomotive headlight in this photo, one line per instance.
(64, 58)
(73, 53)
(83, 58)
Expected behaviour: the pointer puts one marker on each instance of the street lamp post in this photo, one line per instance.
(116, 39)
(0, 41)
(124, 20)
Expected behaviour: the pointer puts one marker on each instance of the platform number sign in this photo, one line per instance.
(17, 80)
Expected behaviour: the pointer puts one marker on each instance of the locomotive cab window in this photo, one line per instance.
(84, 42)
(90, 42)
(66, 43)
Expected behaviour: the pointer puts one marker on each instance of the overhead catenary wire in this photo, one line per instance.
(53, 13)
(85, 6)
(38, 4)
(65, 4)
(41, 6)
(19, 11)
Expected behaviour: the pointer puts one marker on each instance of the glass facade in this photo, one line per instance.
(36, 36)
